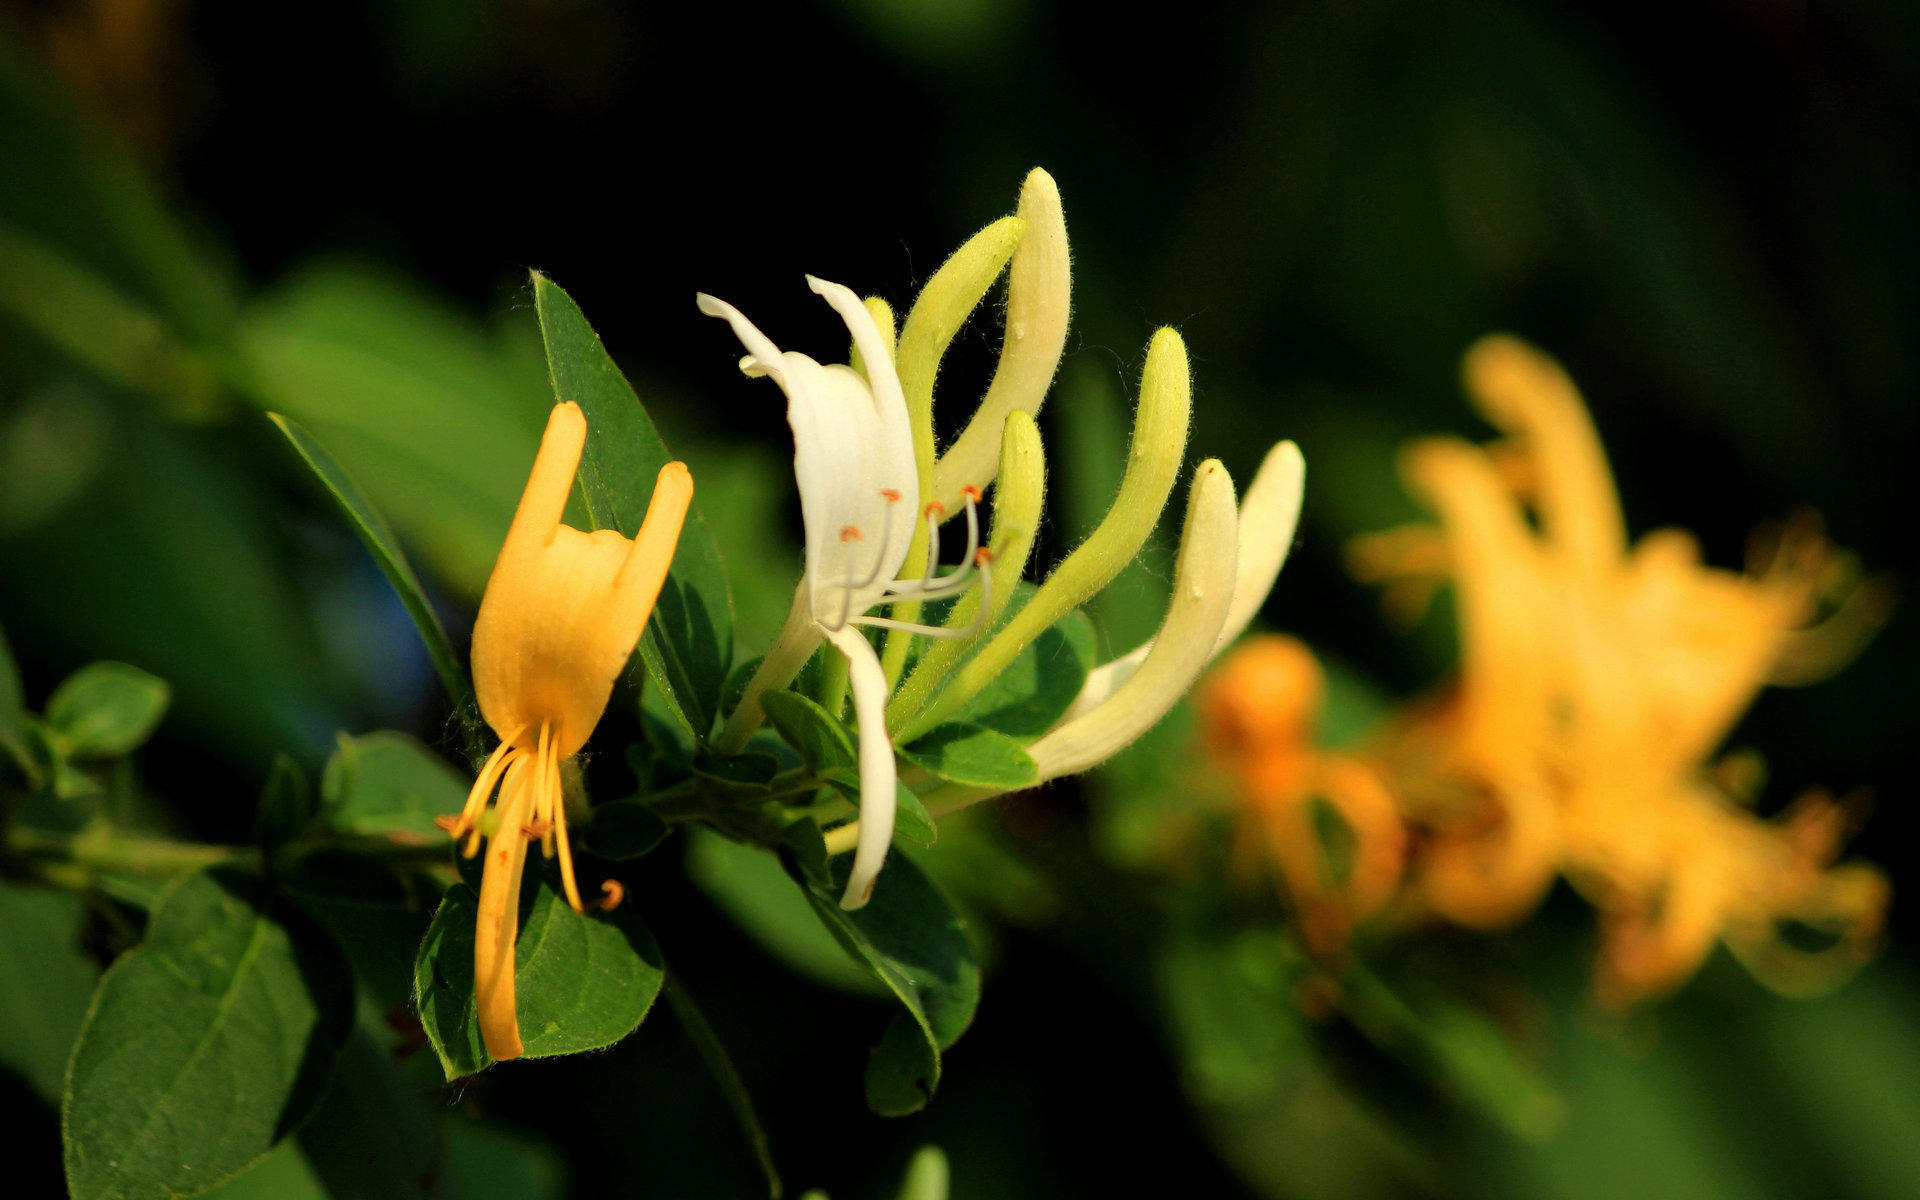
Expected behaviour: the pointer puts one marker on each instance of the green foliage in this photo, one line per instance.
(910, 939)
(388, 785)
(624, 829)
(45, 986)
(966, 753)
(1037, 687)
(204, 1046)
(377, 536)
(13, 709)
(688, 646)
(106, 709)
(583, 981)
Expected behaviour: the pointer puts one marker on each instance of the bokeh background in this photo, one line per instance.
(209, 210)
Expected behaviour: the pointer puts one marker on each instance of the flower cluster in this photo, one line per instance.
(1597, 680)
(874, 496)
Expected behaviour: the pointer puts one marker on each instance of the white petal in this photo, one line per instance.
(878, 772)
(1269, 517)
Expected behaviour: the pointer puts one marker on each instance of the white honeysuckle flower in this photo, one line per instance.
(1269, 517)
(859, 498)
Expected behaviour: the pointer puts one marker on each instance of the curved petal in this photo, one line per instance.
(878, 771)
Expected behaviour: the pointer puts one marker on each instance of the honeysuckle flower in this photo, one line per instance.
(875, 491)
(1259, 711)
(1597, 681)
(561, 615)
(859, 503)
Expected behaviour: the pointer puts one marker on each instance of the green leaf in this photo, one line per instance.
(720, 1064)
(909, 937)
(1026, 699)
(974, 755)
(286, 804)
(377, 536)
(583, 982)
(282, 1175)
(105, 709)
(387, 784)
(45, 985)
(13, 710)
(624, 829)
(821, 740)
(911, 819)
(688, 645)
(205, 1045)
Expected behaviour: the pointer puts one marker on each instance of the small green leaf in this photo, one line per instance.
(1035, 690)
(387, 784)
(13, 710)
(720, 1064)
(583, 982)
(286, 804)
(205, 1045)
(624, 829)
(974, 755)
(909, 937)
(105, 709)
(821, 741)
(378, 538)
(688, 645)
(911, 819)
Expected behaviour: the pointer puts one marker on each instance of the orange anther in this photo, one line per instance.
(537, 829)
(936, 509)
(450, 824)
(612, 892)
(849, 534)
(892, 495)
(971, 492)
(982, 556)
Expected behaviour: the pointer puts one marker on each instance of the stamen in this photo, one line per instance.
(929, 588)
(537, 828)
(849, 533)
(612, 893)
(983, 557)
(558, 799)
(892, 496)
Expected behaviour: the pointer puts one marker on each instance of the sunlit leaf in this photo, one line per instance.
(583, 982)
(105, 709)
(688, 646)
(378, 538)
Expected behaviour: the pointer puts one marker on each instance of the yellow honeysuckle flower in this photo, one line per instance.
(1597, 680)
(1259, 710)
(562, 613)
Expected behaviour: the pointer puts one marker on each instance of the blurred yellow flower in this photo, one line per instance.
(562, 613)
(1597, 680)
(1259, 711)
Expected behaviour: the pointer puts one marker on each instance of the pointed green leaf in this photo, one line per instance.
(583, 982)
(106, 709)
(909, 937)
(688, 645)
(378, 538)
(974, 755)
(286, 804)
(205, 1045)
(821, 740)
